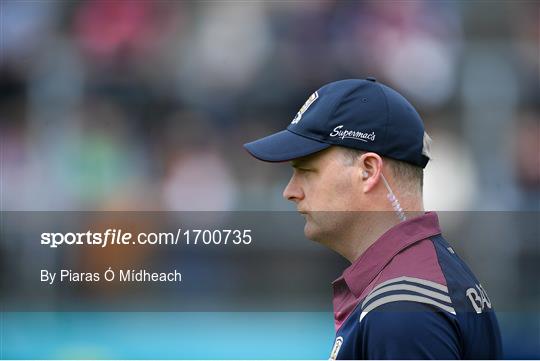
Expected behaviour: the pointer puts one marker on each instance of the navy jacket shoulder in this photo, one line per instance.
(407, 316)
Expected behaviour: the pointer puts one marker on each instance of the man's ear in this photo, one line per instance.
(371, 167)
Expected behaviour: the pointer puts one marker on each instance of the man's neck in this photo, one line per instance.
(371, 230)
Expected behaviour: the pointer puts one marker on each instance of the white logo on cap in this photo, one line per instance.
(352, 134)
(305, 107)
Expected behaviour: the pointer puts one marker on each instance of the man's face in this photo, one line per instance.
(324, 186)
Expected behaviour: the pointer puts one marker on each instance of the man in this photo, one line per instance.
(359, 146)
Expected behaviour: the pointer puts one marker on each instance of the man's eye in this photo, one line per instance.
(303, 170)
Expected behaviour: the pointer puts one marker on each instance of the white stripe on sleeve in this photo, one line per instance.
(405, 297)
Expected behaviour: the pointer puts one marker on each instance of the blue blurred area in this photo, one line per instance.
(520, 334)
(212, 335)
(161, 335)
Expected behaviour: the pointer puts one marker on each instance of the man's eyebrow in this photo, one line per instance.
(299, 163)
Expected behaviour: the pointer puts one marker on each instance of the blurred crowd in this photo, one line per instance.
(145, 105)
(133, 105)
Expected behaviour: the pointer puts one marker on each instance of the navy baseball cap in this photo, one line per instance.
(353, 113)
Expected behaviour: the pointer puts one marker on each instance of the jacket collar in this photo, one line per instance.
(362, 271)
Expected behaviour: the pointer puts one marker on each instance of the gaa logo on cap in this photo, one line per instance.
(305, 107)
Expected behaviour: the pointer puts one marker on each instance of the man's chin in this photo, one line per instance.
(312, 232)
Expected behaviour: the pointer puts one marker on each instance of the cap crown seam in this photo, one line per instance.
(379, 86)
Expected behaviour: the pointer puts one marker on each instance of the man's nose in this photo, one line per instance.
(292, 191)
